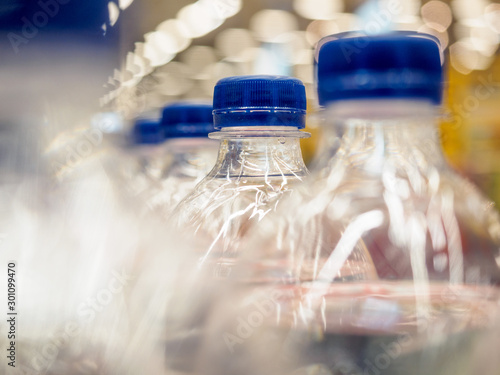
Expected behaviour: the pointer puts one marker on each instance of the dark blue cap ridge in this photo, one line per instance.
(394, 65)
(259, 100)
(187, 119)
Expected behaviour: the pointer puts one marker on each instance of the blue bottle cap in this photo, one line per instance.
(395, 65)
(259, 100)
(147, 131)
(187, 119)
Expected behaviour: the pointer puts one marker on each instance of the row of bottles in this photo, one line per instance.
(204, 245)
(382, 260)
(167, 157)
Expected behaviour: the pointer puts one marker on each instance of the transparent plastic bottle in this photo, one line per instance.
(382, 93)
(431, 236)
(107, 270)
(144, 157)
(259, 163)
(166, 157)
(189, 156)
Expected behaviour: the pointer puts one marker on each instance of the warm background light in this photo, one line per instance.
(183, 51)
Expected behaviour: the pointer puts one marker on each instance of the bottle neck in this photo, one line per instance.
(146, 160)
(189, 157)
(375, 135)
(265, 151)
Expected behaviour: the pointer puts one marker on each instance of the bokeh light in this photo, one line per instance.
(173, 36)
(215, 72)
(114, 13)
(153, 50)
(318, 9)
(136, 66)
(402, 8)
(174, 79)
(319, 29)
(438, 14)
(197, 58)
(408, 23)
(269, 24)
(303, 67)
(484, 39)
(464, 9)
(124, 4)
(200, 18)
(463, 56)
(279, 37)
(443, 36)
(233, 43)
(226, 8)
(146, 63)
(492, 17)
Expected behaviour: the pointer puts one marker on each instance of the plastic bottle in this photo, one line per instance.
(432, 238)
(190, 154)
(384, 96)
(259, 163)
(168, 156)
(145, 157)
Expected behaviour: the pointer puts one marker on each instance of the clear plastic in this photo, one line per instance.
(141, 168)
(257, 167)
(159, 176)
(92, 278)
(434, 225)
(352, 329)
(422, 295)
(188, 161)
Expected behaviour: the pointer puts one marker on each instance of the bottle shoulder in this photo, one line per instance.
(216, 201)
(396, 222)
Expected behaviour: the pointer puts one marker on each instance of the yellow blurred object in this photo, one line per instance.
(309, 146)
(470, 131)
